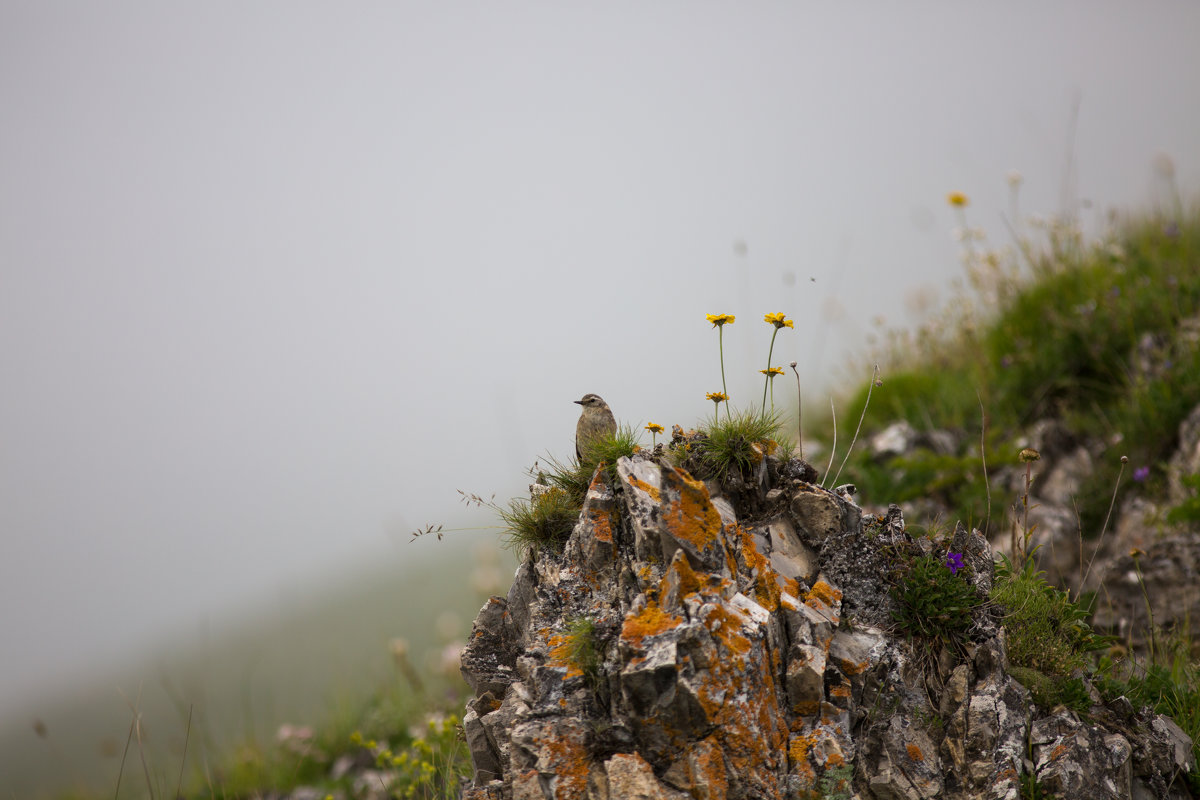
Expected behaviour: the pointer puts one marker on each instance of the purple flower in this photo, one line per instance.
(1141, 473)
(954, 562)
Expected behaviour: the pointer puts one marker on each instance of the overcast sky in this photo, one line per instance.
(277, 278)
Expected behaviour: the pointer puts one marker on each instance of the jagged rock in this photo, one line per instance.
(819, 513)
(596, 539)
(629, 777)
(669, 511)
(488, 667)
(789, 556)
(1075, 760)
(748, 651)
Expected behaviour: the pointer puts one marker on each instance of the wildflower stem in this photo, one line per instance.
(832, 450)
(767, 379)
(1025, 503)
(983, 456)
(799, 411)
(721, 348)
(1103, 529)
(1137, 567)
(874, 378)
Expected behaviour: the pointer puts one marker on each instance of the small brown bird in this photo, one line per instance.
(596, 420)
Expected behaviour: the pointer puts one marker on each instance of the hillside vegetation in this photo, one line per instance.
(1093, 334)
(1099, 336)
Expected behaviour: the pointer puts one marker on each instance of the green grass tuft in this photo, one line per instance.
(574, 476)
(1049, 691)
(583, 648)
(730, 445)
(1047, 631)
(543, 522)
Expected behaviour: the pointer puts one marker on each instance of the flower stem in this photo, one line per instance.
(799, 411)
(721, 347)
(767, 380)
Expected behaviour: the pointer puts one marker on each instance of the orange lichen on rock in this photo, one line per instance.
(766, 588)
(650, 621)
(798, 754)
(726, 627)
(706, 771)
(689, 581)
(852, 668)
(823, 592)
(841, 690)
(602, 525)
(1059, 751)
(806, 708)
(692, 518)
(914, 752)
(570, 765)
(653, 491)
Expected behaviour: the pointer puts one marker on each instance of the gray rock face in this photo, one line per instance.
(747, 651)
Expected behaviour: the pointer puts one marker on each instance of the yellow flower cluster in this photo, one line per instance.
(957, 199)
(719, 319)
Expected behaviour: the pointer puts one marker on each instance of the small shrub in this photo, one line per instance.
(935, 603)
(836, 783)
(1047, 632)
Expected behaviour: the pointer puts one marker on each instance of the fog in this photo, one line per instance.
(277, 279)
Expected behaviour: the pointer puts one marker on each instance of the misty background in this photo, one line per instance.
(278, 278)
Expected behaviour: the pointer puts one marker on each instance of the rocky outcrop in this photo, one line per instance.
(745, 648)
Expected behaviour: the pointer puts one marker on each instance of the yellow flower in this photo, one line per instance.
(654, 427)
(956, 199)
(1136, 552)
(1029, 454)
(717, 397)
(719, 319)
(779, 320)
(772, 372)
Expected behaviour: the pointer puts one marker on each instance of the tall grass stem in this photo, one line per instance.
(866, 404)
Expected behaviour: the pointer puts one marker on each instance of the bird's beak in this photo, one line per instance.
(580, 402)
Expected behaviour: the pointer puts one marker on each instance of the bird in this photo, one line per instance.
(596, 421)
